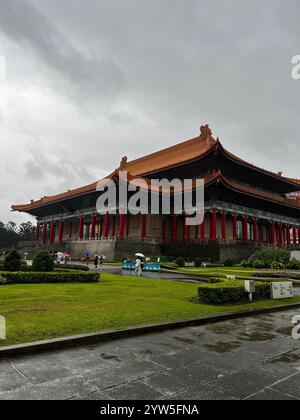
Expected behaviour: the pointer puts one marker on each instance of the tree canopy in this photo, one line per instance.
(11, 233)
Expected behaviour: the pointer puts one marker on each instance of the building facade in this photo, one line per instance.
(246, 207)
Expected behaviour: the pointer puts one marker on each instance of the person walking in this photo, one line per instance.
(138, 267)
(96, 262)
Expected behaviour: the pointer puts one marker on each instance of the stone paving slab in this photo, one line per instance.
(252, 358)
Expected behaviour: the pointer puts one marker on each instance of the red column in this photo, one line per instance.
(163, 229)
(196, 232)
(294, 235)
(183, 228)
(234, 224)
(61, 231)
(245, 230)
(298, 235)
(288, 235)
(280, 238)
(283, 234)
(187, 229)
(144, 226)
(106, 226)
(52, 233)
(122, 226)
(100, 227)
(127, 225)
(272, 239)
(255, 235)
(93, 228)
(37, 232)
(80, 228)
(175, 233)
(45, 233)
(213, 225)
(224, 226)
(202, 229)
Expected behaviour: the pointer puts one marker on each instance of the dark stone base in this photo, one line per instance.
(119, 250)
(213, 251)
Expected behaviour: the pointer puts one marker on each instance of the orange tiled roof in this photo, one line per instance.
(183, 152)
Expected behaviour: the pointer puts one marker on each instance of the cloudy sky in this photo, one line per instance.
(89, 81)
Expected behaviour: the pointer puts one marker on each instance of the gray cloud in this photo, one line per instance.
(24, 23)
(95, 80)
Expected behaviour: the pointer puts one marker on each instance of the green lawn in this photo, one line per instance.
(38, 312)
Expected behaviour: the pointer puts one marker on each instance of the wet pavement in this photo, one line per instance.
(251, 358)
(186, 278)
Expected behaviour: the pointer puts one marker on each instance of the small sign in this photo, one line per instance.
(250, 286)
(230, 277)
(2, 328)
(189, 264)
(282, 290)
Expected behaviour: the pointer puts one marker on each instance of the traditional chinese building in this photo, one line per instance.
(246, 207)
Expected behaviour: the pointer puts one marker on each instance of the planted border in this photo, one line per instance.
(20, 277)
(221, 291)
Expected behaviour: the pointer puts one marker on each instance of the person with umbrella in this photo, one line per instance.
(139, 264)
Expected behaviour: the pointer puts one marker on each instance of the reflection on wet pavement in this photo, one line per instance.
(249, 358)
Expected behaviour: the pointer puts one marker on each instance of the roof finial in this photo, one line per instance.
(123, 163)
(206, 133)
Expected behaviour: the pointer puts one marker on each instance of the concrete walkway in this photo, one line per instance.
(251, 358)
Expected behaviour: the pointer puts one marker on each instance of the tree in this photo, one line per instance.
(26, 231)
(43, 262)
(12, 261)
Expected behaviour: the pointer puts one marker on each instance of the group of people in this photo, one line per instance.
(98, 261)
(59, 257)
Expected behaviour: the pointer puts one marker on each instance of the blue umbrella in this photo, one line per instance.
(86, 253)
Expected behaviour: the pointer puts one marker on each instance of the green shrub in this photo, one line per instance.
(12, 261)
(294, 264)
(3, 280)
(180, 262)
(51, 277)
(43, 262)
(246, 264)
(229, 262)
(73, 267)
(271, 255)
(198, 262)
(259, 264)
(229, 291)
(276, 265)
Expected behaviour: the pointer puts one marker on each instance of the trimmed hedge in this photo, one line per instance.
(222, 291)
(75, 267)
(19, 277)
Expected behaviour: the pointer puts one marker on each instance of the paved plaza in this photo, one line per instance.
(250, 358)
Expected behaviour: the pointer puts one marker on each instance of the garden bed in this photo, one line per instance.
(20, 277)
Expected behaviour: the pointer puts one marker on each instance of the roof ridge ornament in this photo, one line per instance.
(123, 163)
(206, 134)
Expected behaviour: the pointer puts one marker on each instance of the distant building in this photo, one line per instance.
(245, 207)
